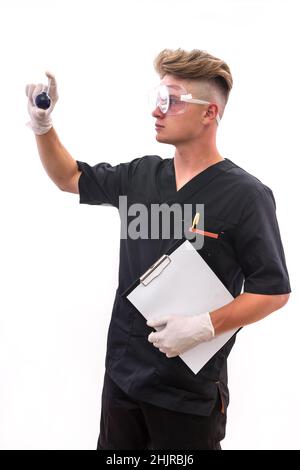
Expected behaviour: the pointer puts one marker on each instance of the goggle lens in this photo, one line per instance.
(167, 99)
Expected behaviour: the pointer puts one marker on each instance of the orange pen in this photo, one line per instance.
(201, 232)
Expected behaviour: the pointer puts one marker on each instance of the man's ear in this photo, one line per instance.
(212, 111)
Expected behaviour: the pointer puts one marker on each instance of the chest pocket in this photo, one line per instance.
(212, 237)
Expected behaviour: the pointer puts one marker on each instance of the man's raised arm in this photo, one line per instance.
(57, 161)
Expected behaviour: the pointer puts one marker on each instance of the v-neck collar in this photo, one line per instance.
(197, 182)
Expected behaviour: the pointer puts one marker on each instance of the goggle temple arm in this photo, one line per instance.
(189, 99)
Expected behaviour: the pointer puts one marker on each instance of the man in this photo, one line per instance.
(151, 399)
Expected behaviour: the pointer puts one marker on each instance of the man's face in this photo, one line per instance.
(184, 127)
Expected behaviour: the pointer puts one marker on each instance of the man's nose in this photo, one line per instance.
(157, 113)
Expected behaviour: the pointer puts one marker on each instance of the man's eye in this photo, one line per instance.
(174, 100)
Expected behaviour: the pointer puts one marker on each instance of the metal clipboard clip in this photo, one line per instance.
(162, 262)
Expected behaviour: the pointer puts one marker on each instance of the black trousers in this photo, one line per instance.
(128, 424)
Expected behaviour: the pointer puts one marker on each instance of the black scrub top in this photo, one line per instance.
(236, 205)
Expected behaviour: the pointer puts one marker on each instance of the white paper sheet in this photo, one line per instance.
(185, 286)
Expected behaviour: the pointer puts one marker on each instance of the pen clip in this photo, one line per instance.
(196, 220)
(163, 262)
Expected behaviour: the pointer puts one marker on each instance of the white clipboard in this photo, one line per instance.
(182, 283)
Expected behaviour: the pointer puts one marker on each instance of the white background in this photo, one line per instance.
(59, 259)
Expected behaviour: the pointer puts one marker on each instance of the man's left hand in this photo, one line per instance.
(178, 333)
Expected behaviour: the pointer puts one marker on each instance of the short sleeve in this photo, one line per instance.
(104, 183)
(259, 248)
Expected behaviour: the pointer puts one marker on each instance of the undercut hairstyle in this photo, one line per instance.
(195, 65)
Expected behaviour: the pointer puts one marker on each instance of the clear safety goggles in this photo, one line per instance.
(172, 100)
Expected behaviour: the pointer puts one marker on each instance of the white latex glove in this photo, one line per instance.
(41, 121)
(180, 332)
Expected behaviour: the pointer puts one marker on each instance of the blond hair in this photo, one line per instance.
(195, 65)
